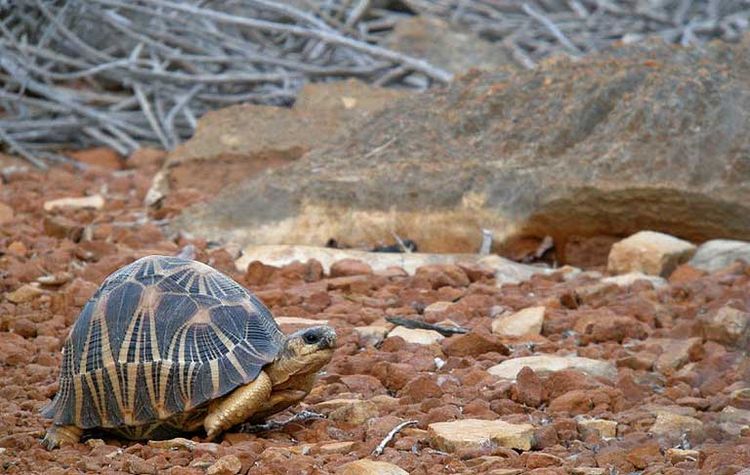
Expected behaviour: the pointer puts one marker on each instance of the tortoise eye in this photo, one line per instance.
(310, 338)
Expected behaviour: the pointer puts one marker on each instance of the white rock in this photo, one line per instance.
(649, 252)
(720, 253)
(371, 467)
(675, 352)
(509, 272)
(524, 322)
(626, 280)
(476, 434)
(416, 335)
(92, 202)
(545, 364)
(681, 455)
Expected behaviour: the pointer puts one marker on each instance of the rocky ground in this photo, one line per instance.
(591, 377)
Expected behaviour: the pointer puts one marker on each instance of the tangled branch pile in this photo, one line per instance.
(79, 73)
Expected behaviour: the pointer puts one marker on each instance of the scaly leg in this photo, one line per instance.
(238, 406)
(57, 436)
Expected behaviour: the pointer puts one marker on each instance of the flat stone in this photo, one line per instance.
(336, 448)
(626, 280)
(477, 434)
(718, 254)
(372, 334)
(524, 322)
(728, 326)
(86, 202)
(25, 293)
(545, 364)
(416, 335)
(172, 444)
(649, 252)
(370, 467)
(598, 427)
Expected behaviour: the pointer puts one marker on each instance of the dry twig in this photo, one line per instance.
(381, 446)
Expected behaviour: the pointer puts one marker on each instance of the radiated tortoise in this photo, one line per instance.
(167, 346)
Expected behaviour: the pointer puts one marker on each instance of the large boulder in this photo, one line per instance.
(644, 136)
(241, 141)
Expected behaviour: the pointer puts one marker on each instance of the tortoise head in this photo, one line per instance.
(304, 352)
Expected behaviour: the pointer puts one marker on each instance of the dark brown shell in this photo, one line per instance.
(161, 336)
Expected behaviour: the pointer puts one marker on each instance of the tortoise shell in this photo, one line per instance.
(160, 337)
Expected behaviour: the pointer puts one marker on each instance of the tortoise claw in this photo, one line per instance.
(57, 436)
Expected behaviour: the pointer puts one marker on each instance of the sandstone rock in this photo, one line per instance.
(728, 326)
(242, 141)
(720, 253)
(439, 167)
(597, 427)
(528, 388)
(416, 335)
(226, 465)
(25, 293)
(445, 46)
(347, 267)
(675, 353)
(676, 456)
(372, 334)
(473, 344)
(370, 467)
(6, 213)
(90, 202)
(336, 448)
(650, 253)
(475, 434)
(353, 411)
(626, 280)
(545, 364)
(523, 322)
(672, 427)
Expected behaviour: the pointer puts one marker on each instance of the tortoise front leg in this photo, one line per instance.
(242, 403)
(57, 436)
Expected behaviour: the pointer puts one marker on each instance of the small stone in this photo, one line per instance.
(25, 293)
(436, 308)
(356, 412)
(573, 402)
(528, 389)
(370, 467)
(102, 157)
(6, 213)
(416, 335)
(474, 344)
(372, 334)
(589, 471)
(18, 247)
(597, 427)
(545, 364)
(336, 448)
(349, 267)
(172, 444)
(626, 280)
(86, 202)
(524, 322)
(649, 252)
(673, 427)
(93, 443)
(685, 274)
(61, 227)
(645, 455)
(676, 456)
(728, 326)
(477, 434)
(299, 322)
(226, 465)
(675, 353)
